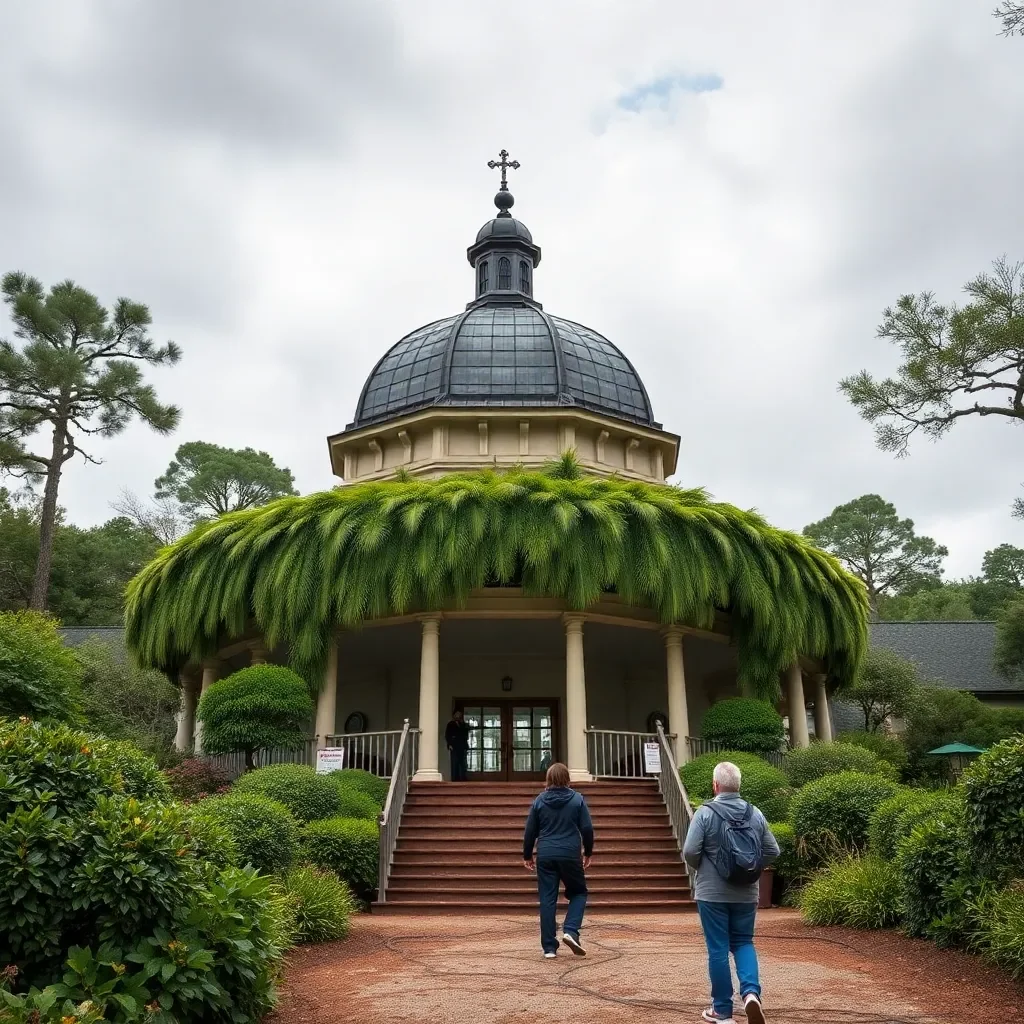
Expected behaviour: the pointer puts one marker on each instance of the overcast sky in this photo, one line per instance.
(732, 193)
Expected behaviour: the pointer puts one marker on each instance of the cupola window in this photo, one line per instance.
(524, 277)
(482, 286)
(504, 273)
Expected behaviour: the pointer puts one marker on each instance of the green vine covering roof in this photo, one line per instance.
(298, 567)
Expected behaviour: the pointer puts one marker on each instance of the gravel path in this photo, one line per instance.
(645, 968)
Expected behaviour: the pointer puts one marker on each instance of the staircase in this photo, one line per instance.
(460, 850)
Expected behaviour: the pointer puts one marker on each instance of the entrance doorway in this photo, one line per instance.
(510, 740)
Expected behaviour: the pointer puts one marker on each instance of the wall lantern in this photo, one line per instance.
(506, 683)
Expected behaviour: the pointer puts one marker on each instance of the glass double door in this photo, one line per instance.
(510, 739)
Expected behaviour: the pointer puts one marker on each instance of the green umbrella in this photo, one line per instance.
(957, 748)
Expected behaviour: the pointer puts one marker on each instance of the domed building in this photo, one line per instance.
(503, 542)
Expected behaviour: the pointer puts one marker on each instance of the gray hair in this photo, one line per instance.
(728, 777)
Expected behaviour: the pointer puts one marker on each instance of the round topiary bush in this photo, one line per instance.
(353, 804)
(140, 776)
(742, 723)
(805, 764)
(265, 832)
(350, 847)
(210, 839)
(994, 788)
(897, 817)
(307, 795)
(372, 785)
(859, 892)
(762, 784)
(320, 902)
(831, 815)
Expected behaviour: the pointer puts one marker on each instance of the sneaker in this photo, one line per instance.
(574, 943)
(709, 1014)
(550, 956)
(752, 1008)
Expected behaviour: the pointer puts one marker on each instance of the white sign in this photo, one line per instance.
(330, 759)
(652, 758)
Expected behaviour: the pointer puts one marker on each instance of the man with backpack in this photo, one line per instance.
(728, 844)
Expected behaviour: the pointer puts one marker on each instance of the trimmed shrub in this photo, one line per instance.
(211, 840)
(353, 804)
(350, 847)
(256, 708)
(994, 787)
(897, 817)
(831, 815)
(859, 892)
(195, 778)
(806, 764)
(1000, 933)
(742, 723)
(789, 866)
(321, 904)
(39, 676)
(264, 831)
(886, 746)
(307, 795)
(762, 784)
(372, 785)
(139, 774)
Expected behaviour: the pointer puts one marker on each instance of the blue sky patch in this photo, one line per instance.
(659, 90)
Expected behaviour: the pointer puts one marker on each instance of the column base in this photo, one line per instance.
(428, 775)
(580, 775)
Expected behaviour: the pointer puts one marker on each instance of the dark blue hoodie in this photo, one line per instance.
(559, 823)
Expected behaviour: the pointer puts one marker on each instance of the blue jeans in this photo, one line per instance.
(729, 927)
(570, 873)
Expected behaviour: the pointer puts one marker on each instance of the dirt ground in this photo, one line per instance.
(648, 968)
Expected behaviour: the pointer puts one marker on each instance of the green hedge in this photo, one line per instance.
(350, 847)
(140, 776)
(742, 723)
(307, 795)
(994, 788)
(320, 902)
(831, 816)
(353, 804)
(762, 784)
(372, 785)
(888, 747)
(859, 892)
(999, 934)
(264, 830)
(789, 866)
(803, 765)
(895, 818)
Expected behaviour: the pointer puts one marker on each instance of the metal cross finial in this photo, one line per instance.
(504, 163)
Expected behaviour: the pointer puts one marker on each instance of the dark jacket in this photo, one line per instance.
(559, 823)
(456, 735)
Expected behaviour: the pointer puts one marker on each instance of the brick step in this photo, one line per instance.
(514, 788)
(424, 866)
(455, 821)
(626, 845)
(529, 907)
(627, 809)
(528, 884)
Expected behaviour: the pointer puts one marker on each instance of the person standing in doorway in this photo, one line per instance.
(559, 826)
(456, 736)
(728, 844)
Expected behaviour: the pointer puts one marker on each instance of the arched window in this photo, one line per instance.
(524, 277)
(483, 277)
(504, 273)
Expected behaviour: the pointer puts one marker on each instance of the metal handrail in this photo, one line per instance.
(617, 754)
(677, 801)
(375, 752)
(391, 815)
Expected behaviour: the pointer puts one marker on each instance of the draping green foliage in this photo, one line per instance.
(297, 567)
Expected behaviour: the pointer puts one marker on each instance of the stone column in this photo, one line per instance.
(822, 722)
(798, 736)
(575, 701)
(678, 714)
(327, 699)
(430, 683)
(185, 734)
(258, 654)
(211, 673)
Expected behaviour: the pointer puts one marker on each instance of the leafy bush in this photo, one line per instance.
(1000, 932)
(859, 892)
(886, 746)
(39, 676)
(742, 723)
(140, 776)
(789, 866)
(895, 818)
(762, 784)
(256, 708)
(195, 778)
(307, 795)
(832, 815)
(994, 787)
(806, 764)
(321, 904)
(349, 847)
(264, 831)
(364, 782)
(353, 804)
(210, 839)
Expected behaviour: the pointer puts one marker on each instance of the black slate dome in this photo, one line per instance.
(504, 350)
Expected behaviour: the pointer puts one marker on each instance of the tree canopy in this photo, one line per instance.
(206, 479)
(885, 687)
(957, 361)
(298, 567)
(1011, 14)
(39, 676)
(78, 374)
(878, 547)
